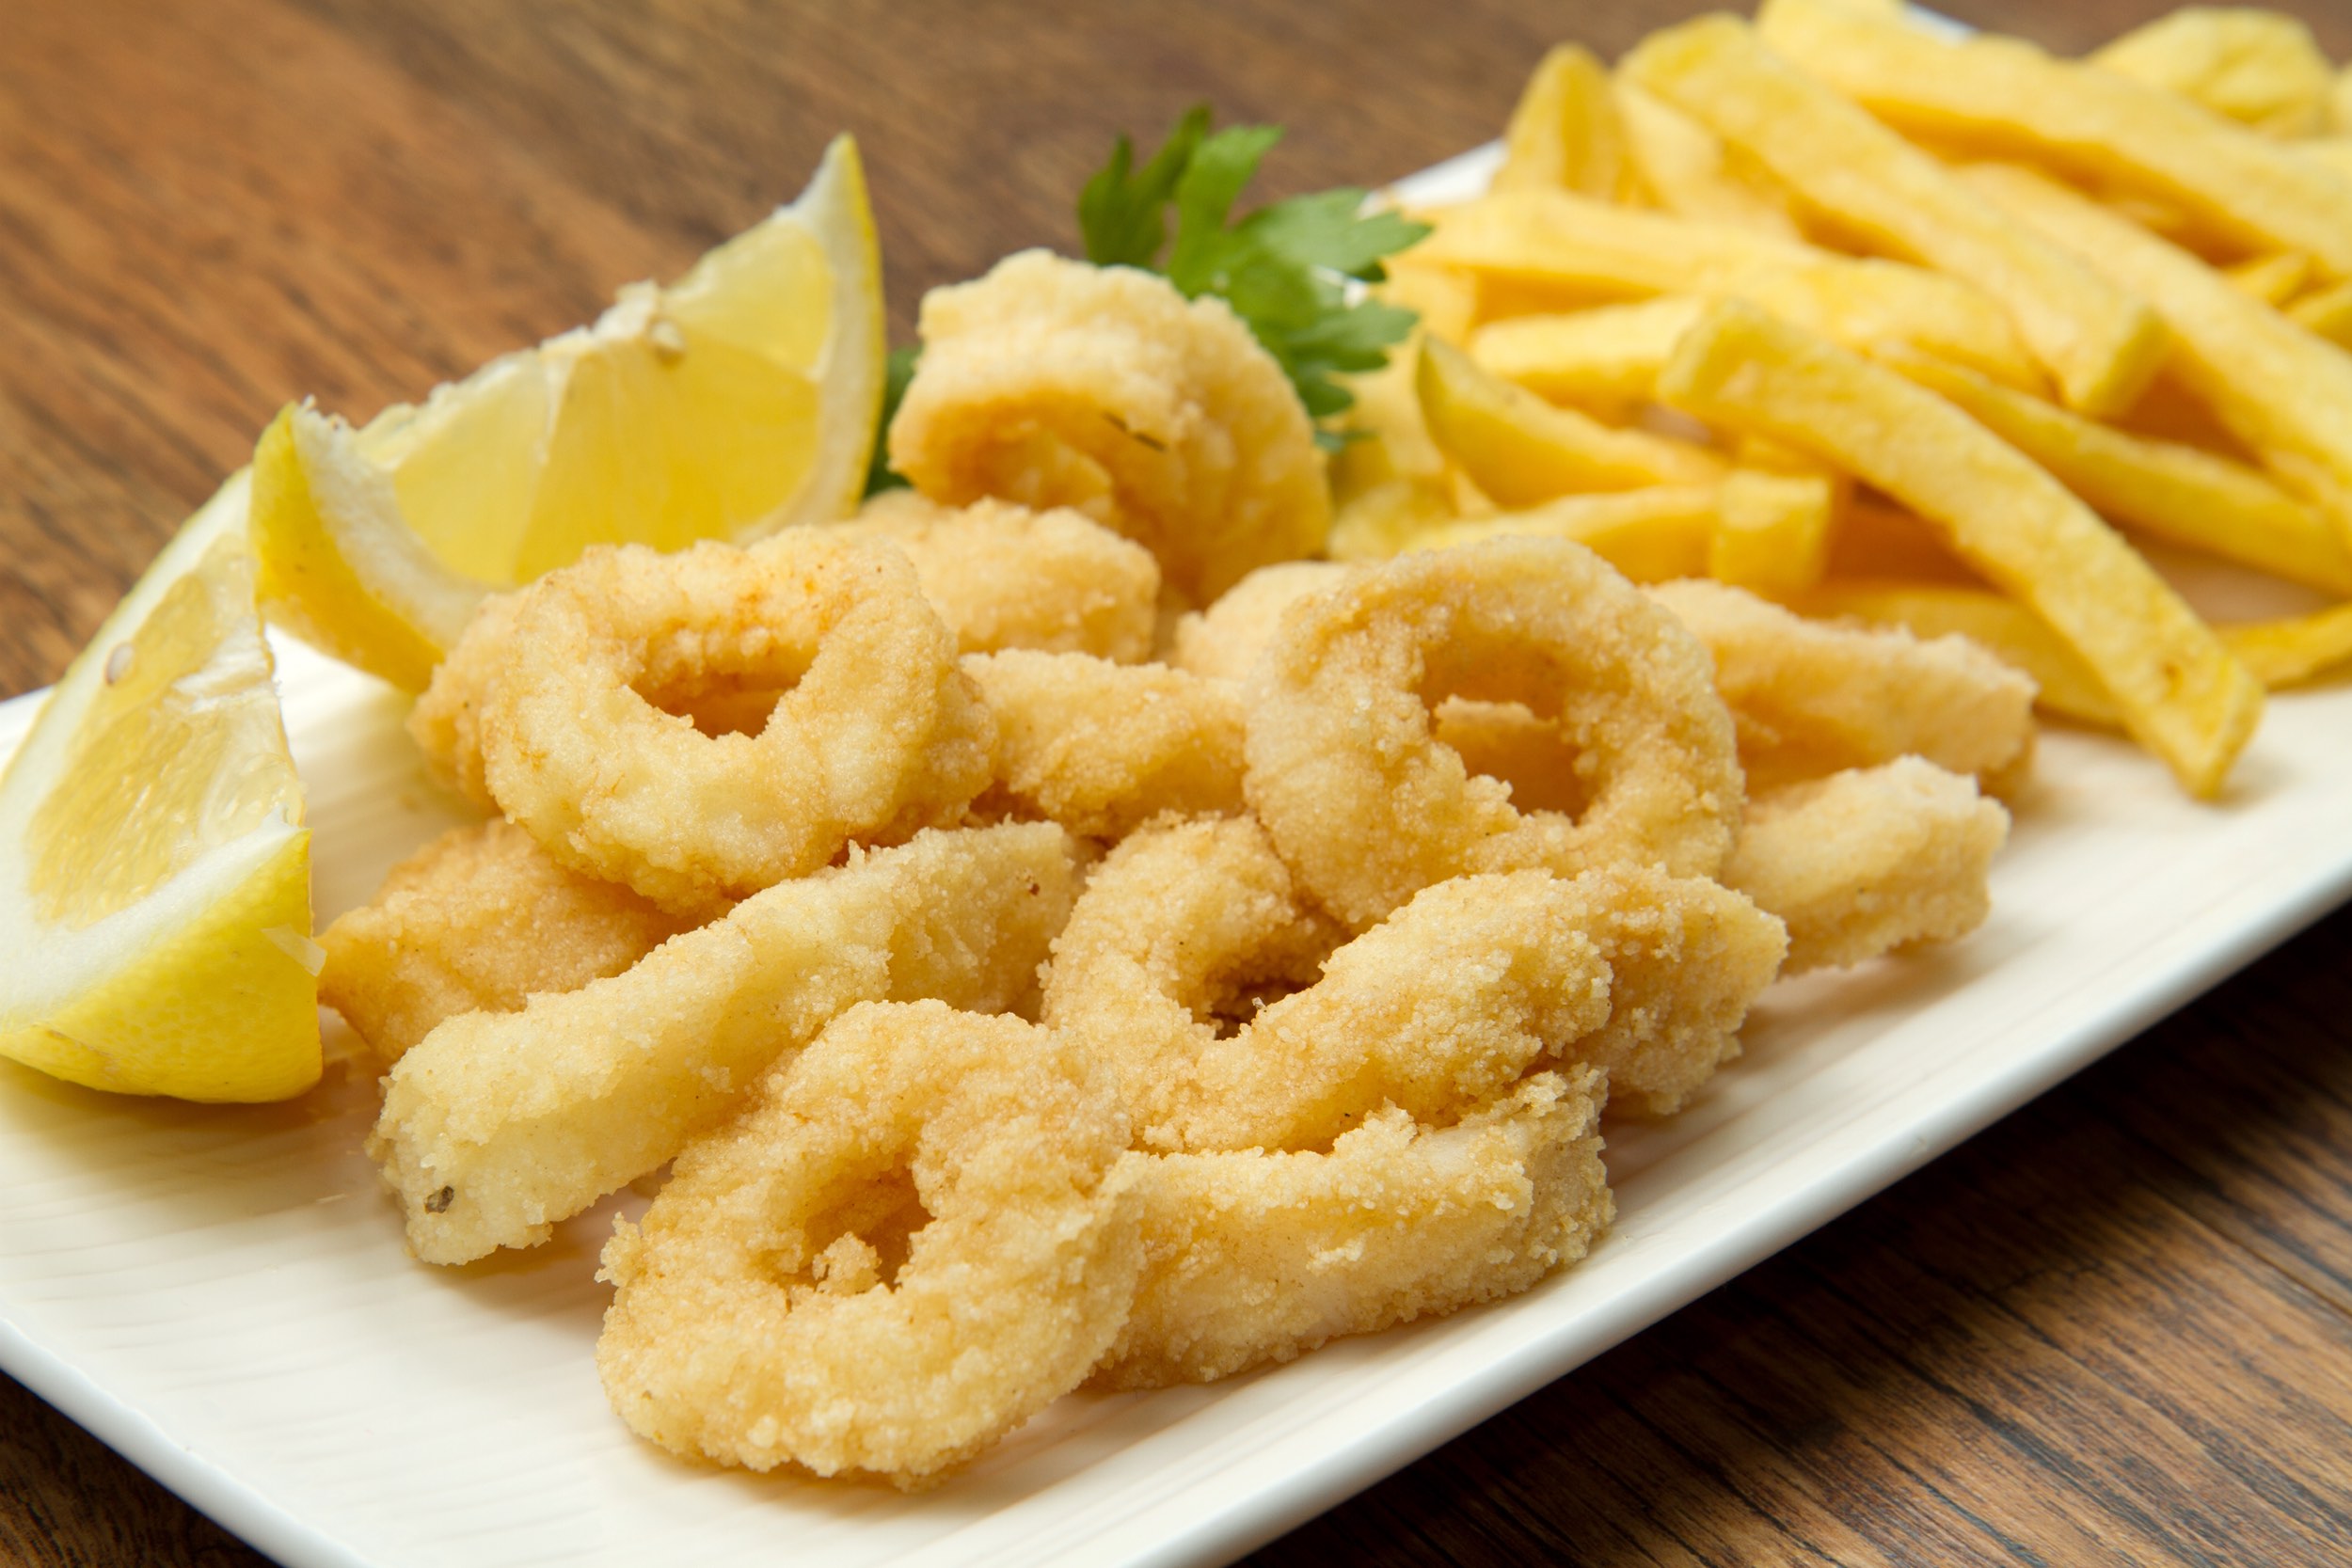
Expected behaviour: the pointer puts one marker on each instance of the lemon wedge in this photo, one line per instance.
(739, 400)
(154, 868)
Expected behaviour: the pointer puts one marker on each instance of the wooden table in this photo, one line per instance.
(2114, 1329)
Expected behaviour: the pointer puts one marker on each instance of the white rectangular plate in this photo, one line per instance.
(223, 1295)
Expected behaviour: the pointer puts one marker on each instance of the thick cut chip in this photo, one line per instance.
(2284, 393)
(2272, 280)
(1690, 171)
(1551, 251)
(1521, 450)
(2296, 649)
(2261, 68)
(2177, 492)
(2181, 696)
(1606, 358)
(2099, 343)
(2002, 95)
(2327, 314)
(1772, 531)
(1564, 134)
(1652, 535)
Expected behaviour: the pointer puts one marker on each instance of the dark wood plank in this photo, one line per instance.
(2111, 1329)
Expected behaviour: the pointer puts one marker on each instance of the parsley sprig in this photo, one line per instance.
(1285, 268)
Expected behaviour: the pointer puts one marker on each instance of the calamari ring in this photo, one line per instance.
(877, 732)
(1369, 806)
(1225, 639)
(976, 1159)
(1251, 1257)
(1004, 576)
(1052, 383)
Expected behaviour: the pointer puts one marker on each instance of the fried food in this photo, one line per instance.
(1222, 642)
(1809, 699)
(1521, 450)
(1869, 859)
(1564, 134)
(919, 1236)
(2002, 627)
(2261, 68)
(2099, 343)
(1052, 383)
(477, 921)
(1004, 576)
(1368, 807)
(1689, 171)
(2284, 393)
(1187, 926)
(1252, 1257)
(497, 1125)
(1100, 747)
(2180, 693)
(880, 733)
(2003, 96)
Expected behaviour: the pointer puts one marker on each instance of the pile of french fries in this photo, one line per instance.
(1887, 322)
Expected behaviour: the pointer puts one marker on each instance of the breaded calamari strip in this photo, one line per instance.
(497, 1125)
(1052, 383)
(1252, 1257)
(1472, 984)
(1099, 747)
(1004, 576)
(477, 921)
(1225, 639)
(1810, 699)
(1869, 859)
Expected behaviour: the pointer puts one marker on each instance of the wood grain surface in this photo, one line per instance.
(2116, 1328)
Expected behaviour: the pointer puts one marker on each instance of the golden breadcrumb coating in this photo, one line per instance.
(1004, 576)
(1869, 859)
(1054, 383)
(1100, 747)
(497, 1125)
(919, 1236)
(477, 921)
(1811, 697)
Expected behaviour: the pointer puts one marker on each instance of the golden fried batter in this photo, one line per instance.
(477, 921)
(1052, 383)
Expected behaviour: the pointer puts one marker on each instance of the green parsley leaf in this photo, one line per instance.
(898, 375)
(1286, 269)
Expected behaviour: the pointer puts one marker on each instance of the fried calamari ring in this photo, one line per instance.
(1099, 747)
(1369, 806)
(497, 1125)
(1643, 975)
(1252, 1257)
(477, 921)
(1810, 697)
(1052, 383)
(1869, 859)
(878, 734)
(921, 1235)
(1225, 639)
(1004, 576)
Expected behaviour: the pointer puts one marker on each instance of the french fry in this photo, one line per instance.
(1652, 535)
(1521, 450)
(2284, 393)
(2272, 279)
(1604, 358)
(1564, 134)
(2327, 314)
(2005, 627)
(2176, 492)
(2003, 97)
(1873, 541)
(2332, 153)
(2296, 649)
(1772, 531)
(1691, 173)
(2180, 693)
(2261, 68)
(1571, 252)
(1390, 441)
(2101, 345)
